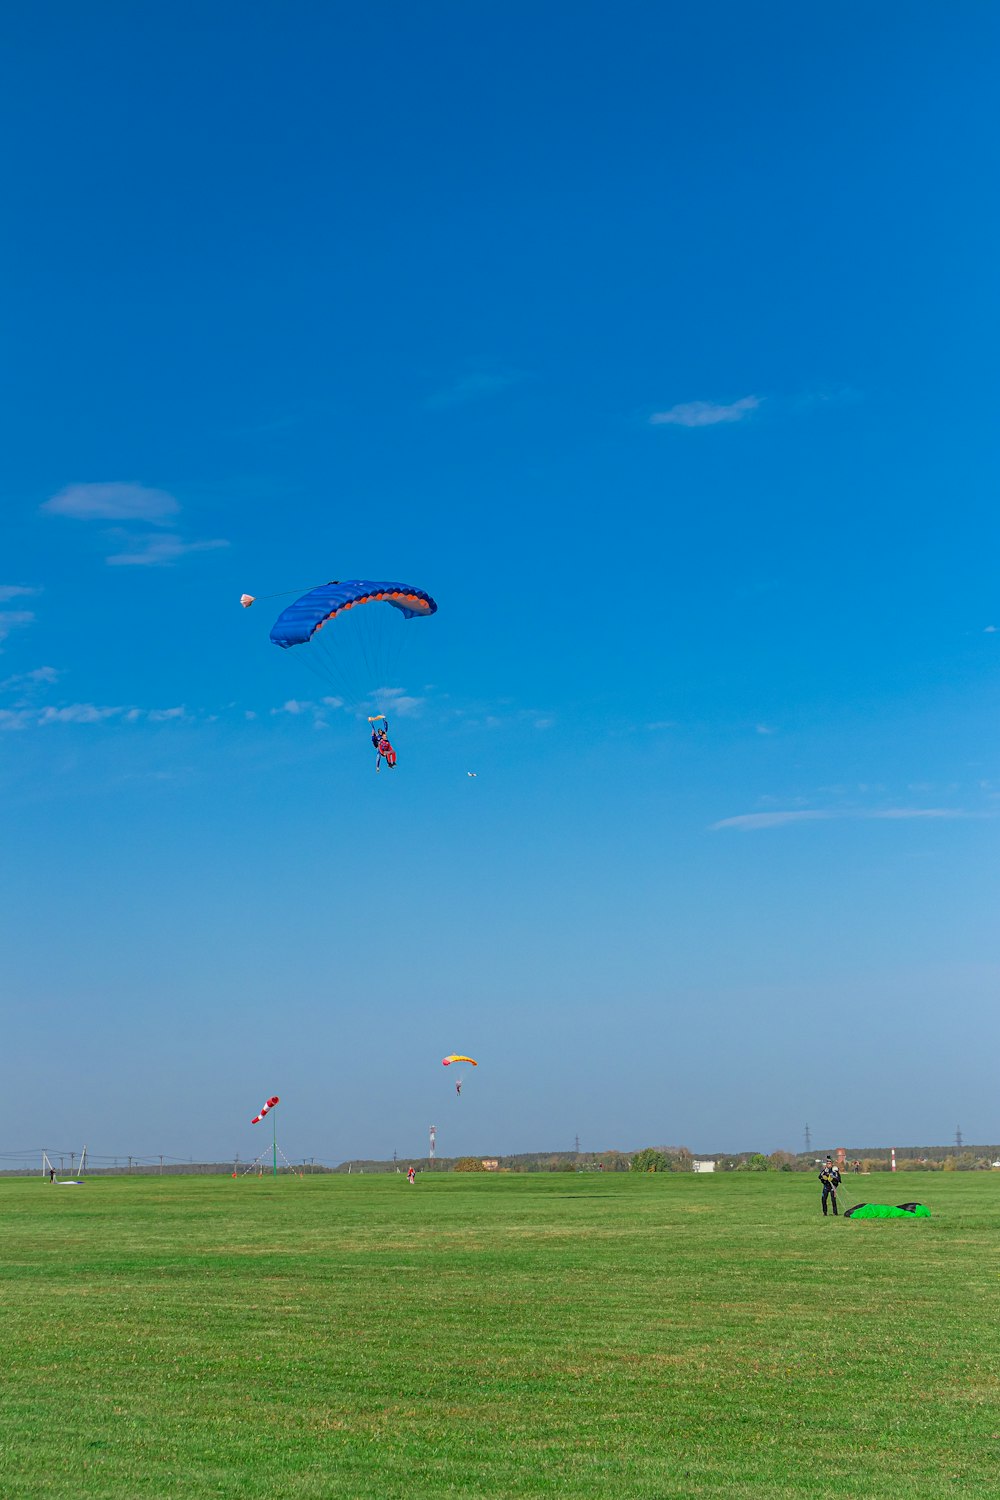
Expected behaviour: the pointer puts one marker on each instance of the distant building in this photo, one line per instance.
(703, 1166)
(490, 1164)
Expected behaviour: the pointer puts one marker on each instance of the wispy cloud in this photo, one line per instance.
(14, 619)
(399, 702)
(161, 715)
(473, 386)
(765, 729)
(918, 812)
(114, 502)
(159, 550)
(9, 591)
(298, 707)
(748, 822)
(41, 676)
(84, 713)
(294, 706)
(705, 413)
(135, 503)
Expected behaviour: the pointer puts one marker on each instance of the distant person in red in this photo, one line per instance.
(411, 1176)
(380, 739)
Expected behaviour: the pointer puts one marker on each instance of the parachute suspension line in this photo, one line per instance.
(281, 594)
(365, 635)
(328, 671)
(383, 639)
(334, 671)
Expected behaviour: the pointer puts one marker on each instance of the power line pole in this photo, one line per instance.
(958, 1137)
(809, 1142)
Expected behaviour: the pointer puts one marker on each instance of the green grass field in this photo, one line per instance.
(576, 1335)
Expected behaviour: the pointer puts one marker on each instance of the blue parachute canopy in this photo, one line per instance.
(300, 621)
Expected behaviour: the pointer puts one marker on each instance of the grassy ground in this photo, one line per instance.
(483, 1336)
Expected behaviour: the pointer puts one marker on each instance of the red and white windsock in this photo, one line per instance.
(267, 1107)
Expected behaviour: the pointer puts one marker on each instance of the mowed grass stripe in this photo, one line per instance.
(493, 1336)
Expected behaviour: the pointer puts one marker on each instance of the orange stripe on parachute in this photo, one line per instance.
(419, 606)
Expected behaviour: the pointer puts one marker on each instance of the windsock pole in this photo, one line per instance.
(893, 1166)
(274, 1145)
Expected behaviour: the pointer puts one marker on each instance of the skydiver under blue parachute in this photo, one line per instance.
(359, 667)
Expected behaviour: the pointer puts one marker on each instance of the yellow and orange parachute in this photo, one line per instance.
(457, 1057)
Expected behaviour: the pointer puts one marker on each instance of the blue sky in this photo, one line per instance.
(658, 345)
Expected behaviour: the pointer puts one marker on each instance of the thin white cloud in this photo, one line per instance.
(399, 702)
(916, 812)
(294, 706)
(14, 619)
(989, 630)
(748, 822)
(764, 729)
(77, 713)
(114, 502)
(84, 713)
(472, 387)
(159, 551)
(705, 413)
(131, 502)
(9, 591)
(40, 676)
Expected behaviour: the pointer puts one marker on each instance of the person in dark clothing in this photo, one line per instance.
(830, 1178)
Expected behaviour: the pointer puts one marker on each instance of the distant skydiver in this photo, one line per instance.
(830, 1178)
(380, 739)
(458, 1057)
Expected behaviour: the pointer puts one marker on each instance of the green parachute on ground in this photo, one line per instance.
(888, 1211)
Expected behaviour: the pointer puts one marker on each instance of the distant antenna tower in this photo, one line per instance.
(433, 1149)
(958, 1136)
(576, 1145)
(809, 1141)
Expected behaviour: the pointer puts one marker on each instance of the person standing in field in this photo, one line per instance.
(830, 1178)
(411, 1176)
